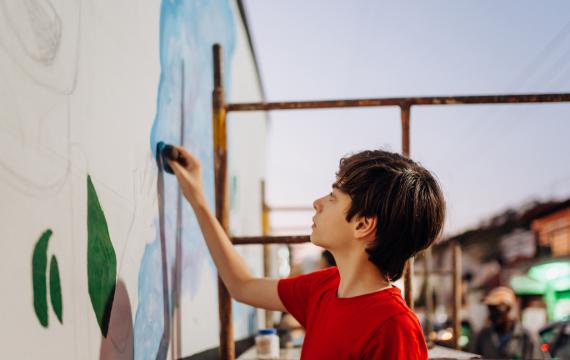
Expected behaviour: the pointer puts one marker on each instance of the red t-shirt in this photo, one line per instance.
(377, 325)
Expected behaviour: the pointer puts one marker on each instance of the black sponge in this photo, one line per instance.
(169, 152)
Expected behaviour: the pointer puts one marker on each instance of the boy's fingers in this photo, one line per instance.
(190, 159)
(176, 167)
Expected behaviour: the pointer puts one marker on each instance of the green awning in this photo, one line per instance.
(550, 271)
(525, 285)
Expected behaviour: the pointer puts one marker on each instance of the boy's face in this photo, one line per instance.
(330, 229)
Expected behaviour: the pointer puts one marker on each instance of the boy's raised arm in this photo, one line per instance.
(258, 292)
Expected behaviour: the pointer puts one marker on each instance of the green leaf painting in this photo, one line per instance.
(55, 289)
(39, 267)
(101, 260)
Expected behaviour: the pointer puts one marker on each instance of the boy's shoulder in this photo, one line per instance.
(329, 274)
(383, 303)
(325, 278)
(380, 304)
(308, 283)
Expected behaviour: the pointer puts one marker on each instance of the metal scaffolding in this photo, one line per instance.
(220, 110)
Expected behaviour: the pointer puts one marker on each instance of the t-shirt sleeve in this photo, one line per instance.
(295, 293)
(400, 337)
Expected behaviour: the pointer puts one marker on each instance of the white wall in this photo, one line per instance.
(79, 82)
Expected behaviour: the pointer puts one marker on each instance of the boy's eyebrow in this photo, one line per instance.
(335, 185)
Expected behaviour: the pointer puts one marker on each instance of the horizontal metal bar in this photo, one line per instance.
(270, 240)
(409, 101)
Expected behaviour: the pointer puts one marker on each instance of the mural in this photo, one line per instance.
(87, 90)
(187, 31)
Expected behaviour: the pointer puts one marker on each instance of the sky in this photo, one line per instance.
(487, 157)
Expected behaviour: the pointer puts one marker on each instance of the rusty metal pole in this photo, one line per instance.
(227, 349)
(409, 269)
(437, 100)
(266, 248)
(456, 268)
(428, 265)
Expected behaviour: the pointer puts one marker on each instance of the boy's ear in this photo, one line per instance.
(365, 228)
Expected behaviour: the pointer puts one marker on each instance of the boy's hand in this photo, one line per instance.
(189, 176)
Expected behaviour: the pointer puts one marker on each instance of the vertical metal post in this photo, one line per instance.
(227, 350)
(409, 269)
(266, 248)
(429, 291)
(456, 269)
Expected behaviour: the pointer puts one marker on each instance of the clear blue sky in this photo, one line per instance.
(487, 158)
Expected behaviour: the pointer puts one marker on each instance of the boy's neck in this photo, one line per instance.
(358, 276)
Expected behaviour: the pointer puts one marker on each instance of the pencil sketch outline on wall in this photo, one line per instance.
(40, 49)
(39, 60)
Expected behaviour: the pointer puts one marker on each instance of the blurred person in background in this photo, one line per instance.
(504, 337)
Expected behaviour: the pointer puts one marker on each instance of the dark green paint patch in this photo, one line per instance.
(101, 260)
(39, 267)
(55, 289)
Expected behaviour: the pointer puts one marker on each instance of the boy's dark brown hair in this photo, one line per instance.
(406, 199)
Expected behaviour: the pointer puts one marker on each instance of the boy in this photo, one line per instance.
(382, 210)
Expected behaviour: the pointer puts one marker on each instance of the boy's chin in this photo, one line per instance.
(315, 239)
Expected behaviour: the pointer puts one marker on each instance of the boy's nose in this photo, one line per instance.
(316, 205)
